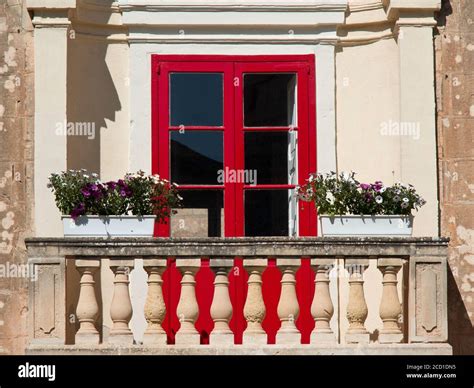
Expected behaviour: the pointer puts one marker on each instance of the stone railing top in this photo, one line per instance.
(238, 247)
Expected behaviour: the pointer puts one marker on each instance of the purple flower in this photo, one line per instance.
(94, 187)
(77, 211)
(85, 192)
(123, 193)
(97, 194)
(364, 186)
(111, 185)
(377, 186)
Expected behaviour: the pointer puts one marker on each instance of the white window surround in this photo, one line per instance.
(230, 27)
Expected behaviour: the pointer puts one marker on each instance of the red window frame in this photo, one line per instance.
(233, 68)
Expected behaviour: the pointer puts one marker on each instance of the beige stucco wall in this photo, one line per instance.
(367, 97)
(98, 86)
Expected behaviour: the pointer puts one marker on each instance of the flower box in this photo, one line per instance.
(126, 207)
(367, 225)
(109, 226)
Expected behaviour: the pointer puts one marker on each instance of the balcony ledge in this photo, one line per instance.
(241, 350)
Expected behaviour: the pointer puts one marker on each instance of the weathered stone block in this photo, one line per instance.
(428, 299)
(47, 301)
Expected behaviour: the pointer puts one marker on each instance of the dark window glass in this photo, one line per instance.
(201, 215)
(266, 153)
(266, 213)
(269, 100)
(196, 156)
(196, 99)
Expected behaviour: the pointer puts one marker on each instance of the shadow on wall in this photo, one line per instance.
(445, 11)
(460, 330)
(92, 99)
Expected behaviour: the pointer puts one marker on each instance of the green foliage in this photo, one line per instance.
(77, 193)
(342, 194)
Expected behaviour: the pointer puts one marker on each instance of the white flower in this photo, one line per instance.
(346, 176)
(85, 176)
(378, 199)
(396, 198)
(406, 200)
(382, 190)
(330, 197)
(404, 205)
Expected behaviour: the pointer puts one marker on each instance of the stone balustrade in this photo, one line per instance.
(407, 281)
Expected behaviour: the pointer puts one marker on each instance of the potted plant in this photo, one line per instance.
(347, 207)
(128, 206)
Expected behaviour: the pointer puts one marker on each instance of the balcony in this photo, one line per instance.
(371, 295)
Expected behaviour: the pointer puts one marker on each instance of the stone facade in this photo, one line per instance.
(454, 66)
(16, 168)
(455, 105)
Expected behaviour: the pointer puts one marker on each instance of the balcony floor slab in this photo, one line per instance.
(242, 350)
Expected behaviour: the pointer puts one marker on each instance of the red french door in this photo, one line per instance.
(238, 135)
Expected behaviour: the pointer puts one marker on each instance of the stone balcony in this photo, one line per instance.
(371, 295)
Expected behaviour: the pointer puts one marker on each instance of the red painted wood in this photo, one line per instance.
(233, 68)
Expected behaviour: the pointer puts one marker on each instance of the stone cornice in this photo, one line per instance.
(51, 18)
(415, 9)
(51, 13)
(229, 21)
(235, 6)
(50, 4)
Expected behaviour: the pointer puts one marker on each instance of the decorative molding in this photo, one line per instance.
(417, 9)
(366, 6)
(145, 20)
(50, 4)
(51, 18)
(233, 5)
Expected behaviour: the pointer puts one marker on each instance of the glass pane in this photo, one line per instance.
(202, 214)
(196, 157)
(271, 156)
(196, 99)
(269, 100)
(267, 212)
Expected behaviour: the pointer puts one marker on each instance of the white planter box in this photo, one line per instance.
(109, 226)
(355, 225)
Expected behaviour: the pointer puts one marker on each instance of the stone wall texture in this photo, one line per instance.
(16, 168)
(455, 108)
